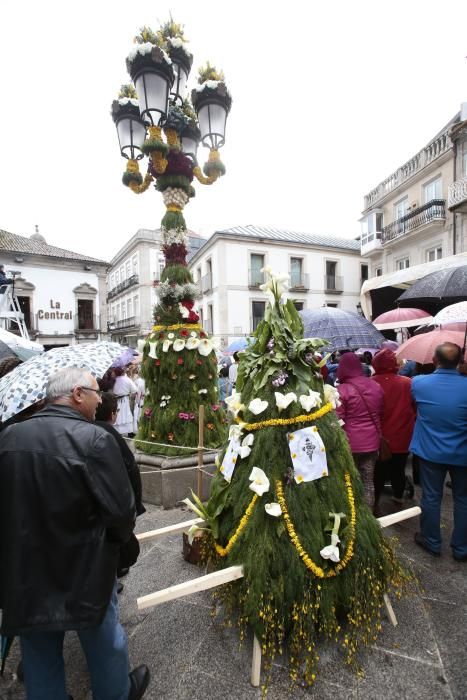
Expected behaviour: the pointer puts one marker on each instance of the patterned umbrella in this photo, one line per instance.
(445, 285)
(455, 313)
(401, 318)
(421, 348)
(343, 329)
(26, 384)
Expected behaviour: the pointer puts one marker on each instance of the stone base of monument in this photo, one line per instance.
(168, 480)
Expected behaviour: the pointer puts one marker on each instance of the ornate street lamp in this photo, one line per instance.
(154, 118)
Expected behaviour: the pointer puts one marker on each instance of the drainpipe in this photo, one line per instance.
(454, 246)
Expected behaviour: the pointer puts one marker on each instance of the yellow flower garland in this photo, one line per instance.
(307, 560)
(177, 326)
(223, 551)
(305, 418)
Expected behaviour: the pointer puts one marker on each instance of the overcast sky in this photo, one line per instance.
(328, 99)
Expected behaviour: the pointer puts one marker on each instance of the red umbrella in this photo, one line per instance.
(421, 348)
(401, 318)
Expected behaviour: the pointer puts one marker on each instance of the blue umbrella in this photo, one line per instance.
(237, 345)
(343, 330)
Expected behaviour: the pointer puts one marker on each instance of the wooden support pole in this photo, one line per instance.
(256, 662)
(200, 449)
(202, 583)
(387, 520)
(168, 530)
(389, 610)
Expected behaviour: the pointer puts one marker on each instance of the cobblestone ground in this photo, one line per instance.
(191, 657)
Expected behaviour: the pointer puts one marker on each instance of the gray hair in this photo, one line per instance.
(62, 382)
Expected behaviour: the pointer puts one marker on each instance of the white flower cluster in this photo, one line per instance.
(125, 100)
(178, 43)
(175, 196)
(164, 401)
(204, 345)
(176, 292)
(143, 50)
(174, 235)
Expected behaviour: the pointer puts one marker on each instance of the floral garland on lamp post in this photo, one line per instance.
(179, 358)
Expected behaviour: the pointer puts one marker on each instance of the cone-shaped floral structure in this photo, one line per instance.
(287, 503)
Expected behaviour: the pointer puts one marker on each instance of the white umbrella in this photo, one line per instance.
(17, 341)
(26, 384)
(455, 313)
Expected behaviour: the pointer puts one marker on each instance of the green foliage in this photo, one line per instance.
(170, 30)
(208, 72)
(178, 274)
(215, 166)
(180, 375)
(151, 145)
(164, 181)
(173, 220)
(127, 178)
(128, 90)
(187, 109)
(145, 36)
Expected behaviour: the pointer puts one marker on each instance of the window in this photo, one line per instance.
(129, 308)
(112, 281)
(256, 264)
(85, 314)
(432, 190)
(379, 271)
(434, 254)
(296, 278)
(464, 159)
(364, 273)
(332, 304)
(122, 273)
(136, 306)
(257, 313)
(117, 277)
(298, 305)
(210, 320)
(134, 263)
(128, 269)
(400, 208)
(198, 274)
(402, 264)
(331, 279)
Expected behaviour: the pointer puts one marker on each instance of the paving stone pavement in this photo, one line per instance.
(192, 657)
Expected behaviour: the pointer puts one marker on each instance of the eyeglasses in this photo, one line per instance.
(99, 392)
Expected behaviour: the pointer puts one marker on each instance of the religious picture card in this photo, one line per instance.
(308, 454)
(230, 459)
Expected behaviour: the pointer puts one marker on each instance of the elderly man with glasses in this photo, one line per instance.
(66, 507)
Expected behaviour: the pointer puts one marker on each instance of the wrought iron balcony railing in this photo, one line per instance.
(300, 281)
(333, 284)
(434, 210)
(130, 322)
(122, 286)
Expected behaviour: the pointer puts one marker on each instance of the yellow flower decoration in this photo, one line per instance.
(223, 551)
(305, 418)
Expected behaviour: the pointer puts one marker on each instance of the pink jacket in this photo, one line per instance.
(363, 430)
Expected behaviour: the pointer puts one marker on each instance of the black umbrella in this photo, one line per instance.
(436, 290)
(344, 330)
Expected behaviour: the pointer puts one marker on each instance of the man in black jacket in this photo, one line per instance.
(66, 507)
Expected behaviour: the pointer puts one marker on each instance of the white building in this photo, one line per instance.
(61, 293)
(323, 271)
(131, 294)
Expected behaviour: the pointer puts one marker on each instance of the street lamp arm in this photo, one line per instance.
(202, 179)
(139, 189)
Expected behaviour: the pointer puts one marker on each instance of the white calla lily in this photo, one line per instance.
(171, 336)
(330, 552)
(259, 481)
(166, 345)
(284, 400)
(331, 395)
(179, 344)
(273, 509)
(152, 351)
(205, 346)
(235, 432)
(257, 406)
(245, 449)
(311, 400)
(140, 345)
(234, 404)
(192, 343)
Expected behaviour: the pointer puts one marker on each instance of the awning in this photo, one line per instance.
(393, 284)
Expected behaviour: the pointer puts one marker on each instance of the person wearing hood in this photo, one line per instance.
(361, 409)
(398, 423)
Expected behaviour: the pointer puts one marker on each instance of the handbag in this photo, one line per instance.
(384, 451)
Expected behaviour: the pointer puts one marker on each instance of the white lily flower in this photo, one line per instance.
(166, 345)
(203, 391)
(193, 530)
(171, 336)
(234, 404)
(179, 344)
(152, 351)
(330, 552)
(206, 346)
(331, 395)
(249, 440)
(235, 432)
(183, 311)
(284, 400)
(259, 481)
(192, 342)
(308, 402)
(245, 449)
(257, 406)
(141, 343)
(273, 509)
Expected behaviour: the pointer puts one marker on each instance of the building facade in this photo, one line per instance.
(61, 293)
(131, 293)
(418, 215)
(323, 271)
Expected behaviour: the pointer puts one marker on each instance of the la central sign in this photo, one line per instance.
(54, 315)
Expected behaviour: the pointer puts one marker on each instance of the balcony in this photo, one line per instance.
(457, 195)
(206, 283)
(130, 322)
(431, 212)
(370, 243)
(255, 278)
(300, 282)
(87, 326)
(333, 284)
(122, 286)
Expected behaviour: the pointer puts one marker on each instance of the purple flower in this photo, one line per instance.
(279, 379)
(270, 344)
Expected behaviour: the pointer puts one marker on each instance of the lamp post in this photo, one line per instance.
(155, 119)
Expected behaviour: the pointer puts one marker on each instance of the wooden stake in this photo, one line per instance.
(200, 449)
(389, 610)
(168, 530)
(256, 663)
